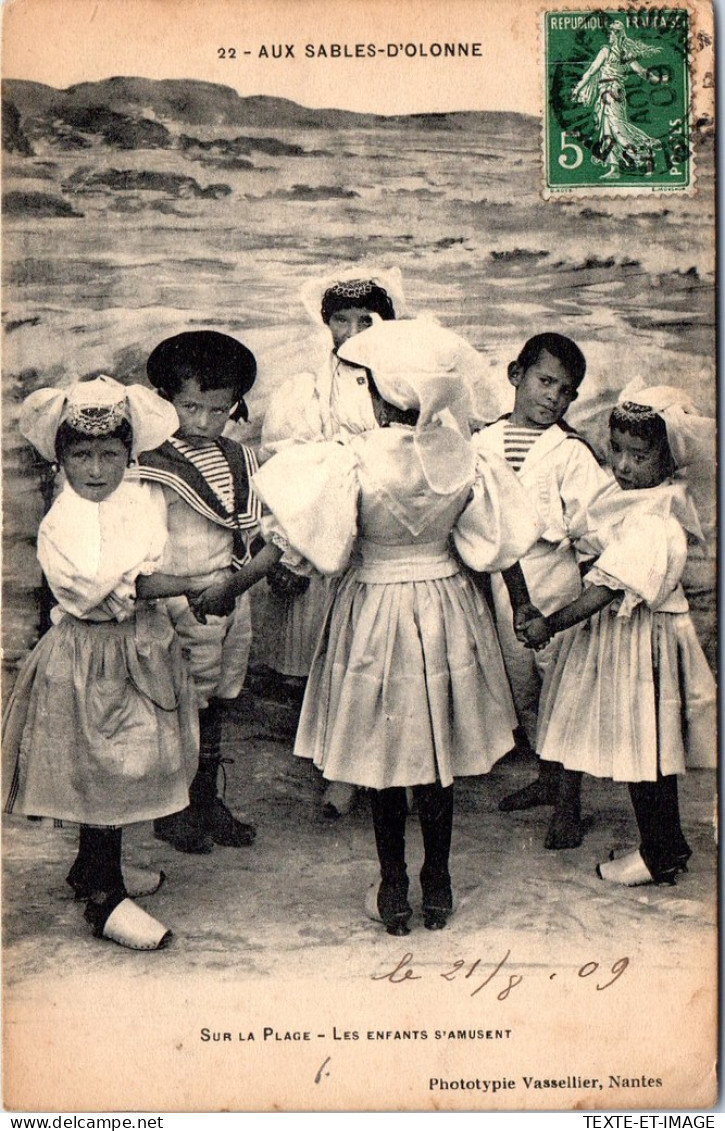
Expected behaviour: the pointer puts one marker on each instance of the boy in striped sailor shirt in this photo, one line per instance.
(561, 472)
(213, 521)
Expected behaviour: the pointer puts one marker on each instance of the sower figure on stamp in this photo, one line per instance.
(407, 686)
(561, 475)
(312, 407)
(621, 145)
(213, 520)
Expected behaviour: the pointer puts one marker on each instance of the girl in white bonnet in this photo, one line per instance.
(631, 696)
(407, 686)
(101, 722)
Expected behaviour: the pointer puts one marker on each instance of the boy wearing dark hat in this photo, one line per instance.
(213, 519)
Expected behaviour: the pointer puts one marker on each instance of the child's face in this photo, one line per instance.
(346, 323)
(202, 416)
(636, 463)
(544, 392)
(95, 467)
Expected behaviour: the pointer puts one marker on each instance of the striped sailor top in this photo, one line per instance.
(213, 513)
(517, 443)
(210, 462)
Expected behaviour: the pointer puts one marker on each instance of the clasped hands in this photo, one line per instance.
(530, 627)
(213, 600)
(285, 582)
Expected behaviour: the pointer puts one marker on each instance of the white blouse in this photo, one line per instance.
(318, 406)
(641, 539)
(92, 553)
(315, 492)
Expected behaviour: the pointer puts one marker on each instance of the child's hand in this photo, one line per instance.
(522, 615)
(197, 584)
(195, 587)
(284, 583)
(214, 601)
(536, 633)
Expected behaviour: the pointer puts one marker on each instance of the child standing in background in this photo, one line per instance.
(630, 696)
(102, 720)
(213, 519)
(561, 476)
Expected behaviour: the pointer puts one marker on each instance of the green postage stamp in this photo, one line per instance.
(617, 100)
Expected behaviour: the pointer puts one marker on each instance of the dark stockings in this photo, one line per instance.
(217, 821)
(206, 821)
(541, 791)
(203, 788)
(210, 730)
(435, 811)
(565, 829)
(389, 808)
(96, 873)
(656, 807)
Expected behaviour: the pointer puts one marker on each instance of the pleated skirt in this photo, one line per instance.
(407, 684)
(628, 695)
(101, 726)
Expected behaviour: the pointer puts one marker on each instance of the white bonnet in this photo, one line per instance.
(96, 408)
(389, 280)
(418, 364)
(690, 435)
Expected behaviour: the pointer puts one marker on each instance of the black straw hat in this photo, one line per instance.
(214, 360)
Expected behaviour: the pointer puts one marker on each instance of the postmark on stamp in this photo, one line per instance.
(617, 100)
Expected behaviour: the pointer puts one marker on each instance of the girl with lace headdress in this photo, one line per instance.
(312, 406)
(601, 87)
(407, 686)
(101, 722)
(630, 696)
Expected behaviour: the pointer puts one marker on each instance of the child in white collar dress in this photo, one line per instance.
(101, 721)
(407, 686)
(631, 696)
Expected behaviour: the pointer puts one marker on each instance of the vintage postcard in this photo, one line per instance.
(261, 208)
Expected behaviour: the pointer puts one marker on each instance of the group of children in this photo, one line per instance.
(436, 588)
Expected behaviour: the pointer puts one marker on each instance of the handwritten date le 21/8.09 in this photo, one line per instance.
(479, 977)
